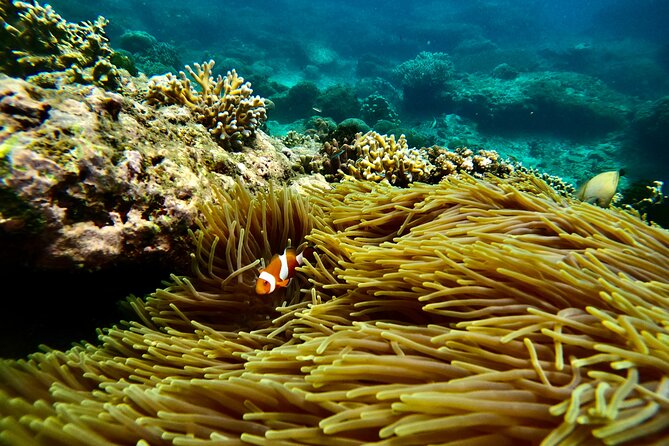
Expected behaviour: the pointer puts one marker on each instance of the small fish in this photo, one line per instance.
(337, 154)
(317, 110)
(600, 189)
(280, 270)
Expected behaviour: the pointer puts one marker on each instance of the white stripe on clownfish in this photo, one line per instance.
(267, 277)
(283, 258)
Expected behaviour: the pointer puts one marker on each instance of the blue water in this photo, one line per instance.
(278, 44)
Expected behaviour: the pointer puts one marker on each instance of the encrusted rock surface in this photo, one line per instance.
(95, 179)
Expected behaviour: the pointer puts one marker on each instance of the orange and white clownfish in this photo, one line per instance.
(280, 270)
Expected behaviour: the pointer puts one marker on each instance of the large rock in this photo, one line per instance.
(95, 179)
(564, 103)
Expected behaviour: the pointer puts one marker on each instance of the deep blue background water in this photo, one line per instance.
(395, 30)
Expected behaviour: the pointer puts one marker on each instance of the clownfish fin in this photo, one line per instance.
(283, 283)
(306, 253)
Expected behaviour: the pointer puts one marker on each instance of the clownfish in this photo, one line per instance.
(280, 270)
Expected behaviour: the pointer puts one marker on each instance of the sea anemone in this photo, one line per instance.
(474, 311)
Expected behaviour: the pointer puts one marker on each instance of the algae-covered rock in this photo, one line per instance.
(565, 103)
(91, 178)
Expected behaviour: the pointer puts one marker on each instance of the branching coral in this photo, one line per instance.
(226, 107)
(332, 158)
(462, 159)
(427, 71)
(475, 312)
(36, 41)
(377, 157)
(381, 157)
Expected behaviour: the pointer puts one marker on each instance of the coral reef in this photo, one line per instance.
(332, 159)
(338, 102)
(378, 86)
(505, 71)
(37, 42)
(297, 102)
(548, 102)
(375, 108)
(226, 107)
(491, 312)
(423, 80)
(91, 179)
(651, 123)
(348, 129)
(137, 41)
(321, 128)
(650, 134)
(648, 200)
(462, 159)
(150, 56)
(556, 183)
(376, 157)
(381, 157)
(427, 71)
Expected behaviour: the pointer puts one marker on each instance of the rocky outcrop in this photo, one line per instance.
(93, 179)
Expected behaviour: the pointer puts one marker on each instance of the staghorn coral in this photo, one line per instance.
(381, 157)
(226, 106)
(38, 42)
(471, 312)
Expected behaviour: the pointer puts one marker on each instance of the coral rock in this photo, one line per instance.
(226, 107)
(92, 179)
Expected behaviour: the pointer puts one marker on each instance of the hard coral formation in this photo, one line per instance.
(375, 108)
(297, 102)
(332, 159)
(464, 160)
(377, 157)
(486, 312)
(338, 102)
(423, 80)
(549, 102)
(93, 179)
(226, 107)
(381, 157)
(427, 71)
(36, 41)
